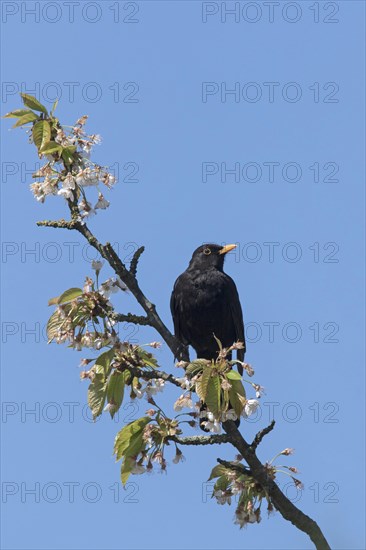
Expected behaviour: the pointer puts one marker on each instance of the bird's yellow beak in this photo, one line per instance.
(227, 248)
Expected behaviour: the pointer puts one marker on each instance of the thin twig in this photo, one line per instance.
(201, 439)
(260, 435)
(135, 259)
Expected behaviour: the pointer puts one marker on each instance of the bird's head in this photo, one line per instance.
(210, 256)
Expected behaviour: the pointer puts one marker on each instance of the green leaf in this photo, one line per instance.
(50, 147)
(55, 103)
(115, 391)
(126, 468)
(104, 361)
(148, 358)
(18, 113)
(33, 103)
(125, 437)
(202, 384)
(69, 295)
(29, 117)
(196, 366)
(221, 484)
(41, 132)
(233, 375)
(217, 471)
(237, 396)
(96, 394)
(53, 326)
(68, 154)
(213, 395)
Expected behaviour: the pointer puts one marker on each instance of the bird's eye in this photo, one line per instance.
(207, 251)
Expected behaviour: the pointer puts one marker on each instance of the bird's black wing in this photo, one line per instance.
(175, 308)
(232, 298)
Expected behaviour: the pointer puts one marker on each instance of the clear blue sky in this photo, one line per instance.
(156, 89)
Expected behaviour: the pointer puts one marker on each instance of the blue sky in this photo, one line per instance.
(155, 78)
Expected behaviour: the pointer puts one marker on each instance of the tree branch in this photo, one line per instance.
(286, 508)
(201, 439)
(135, 259)
(260, 435)
(130, 318)
(151, 374)
(128, 278)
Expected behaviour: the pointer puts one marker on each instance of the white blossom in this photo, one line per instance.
(102, 202)
(97, 265)
(213, 427)
(183, 402)
(229, 415)
(222, 497)
(250, 407)
(37, 191)
(98, 343)
(69, 182)
(108, 179)
(66, 193)
(109, 287)
(259, 390)
(96, 139)
(110, 407)
(138, 469)
(87, 178)
(178, 457)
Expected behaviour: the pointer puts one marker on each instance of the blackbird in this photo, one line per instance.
(205, 303)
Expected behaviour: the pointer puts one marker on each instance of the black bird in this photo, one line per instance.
(205, 302)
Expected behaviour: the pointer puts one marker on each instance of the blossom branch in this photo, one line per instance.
(286, 508)
(127, 277)
(70, 183)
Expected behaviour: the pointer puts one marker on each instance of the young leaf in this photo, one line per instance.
(53, 326)
(18, 113)
(126, 468)
(25, 119)
(104, 361)
(217, 471)
(69, 295)
(202, 384)
(50, 147)
(68, 154)
(196, 366)
(213, 395)
(33, 103)
(237, 396)
(125, 436)
(115, 391)
(221, 484)
(233, 375)
(96, 394)
(148, 358)
(41, 132)
(55, 103)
